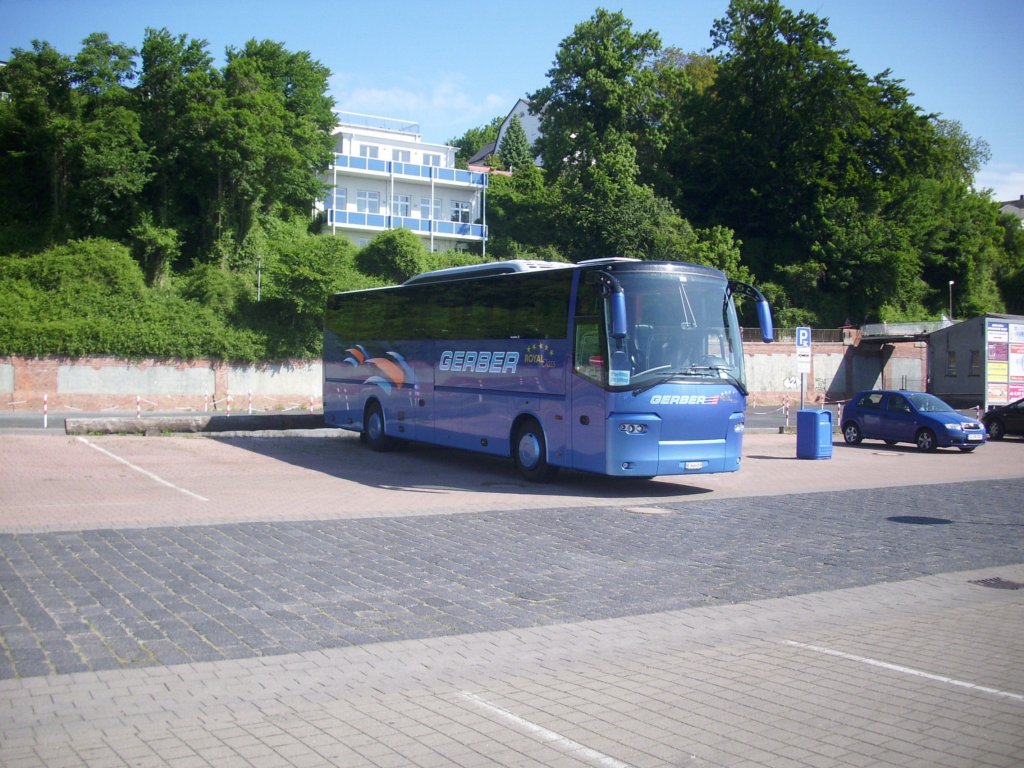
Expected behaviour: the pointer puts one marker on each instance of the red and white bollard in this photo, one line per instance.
(311, 404)
(46, 410)
(250, 402)
(138, 407)
(206, 403)
(785, 410)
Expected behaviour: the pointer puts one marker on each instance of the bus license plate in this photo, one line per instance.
(693, 465)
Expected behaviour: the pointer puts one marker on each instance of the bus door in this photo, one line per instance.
(588, 380)
(420, 412)
(589, 398)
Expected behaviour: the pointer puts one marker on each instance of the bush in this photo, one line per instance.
(90, 298)
(395, 256)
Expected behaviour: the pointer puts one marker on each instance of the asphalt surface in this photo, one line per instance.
(298, 600)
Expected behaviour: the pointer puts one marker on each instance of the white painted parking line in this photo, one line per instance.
(907, 670)
(140, 470)
(561, 742)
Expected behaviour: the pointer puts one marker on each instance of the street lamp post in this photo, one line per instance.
(951, 299)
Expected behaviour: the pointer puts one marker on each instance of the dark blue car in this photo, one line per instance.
(909, 417)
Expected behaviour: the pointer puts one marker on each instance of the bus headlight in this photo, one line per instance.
(633, 429)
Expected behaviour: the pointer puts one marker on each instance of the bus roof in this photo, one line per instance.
(485, 270)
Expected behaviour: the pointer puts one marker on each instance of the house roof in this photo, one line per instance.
(483, 153)
(1013, 207)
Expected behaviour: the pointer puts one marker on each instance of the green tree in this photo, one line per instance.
(832, 179)
(681, 79)
(522, 211)
(271, 135)
(72, 154)
(607, 212)
(110, 171)
(103, 70)
(39, 123)
(176, 96)
(475, 139)
(514, 151)
(155, 248)
(1010, 275)
(602, 82)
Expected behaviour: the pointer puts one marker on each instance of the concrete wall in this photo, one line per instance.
(106, 383)
(838, 370)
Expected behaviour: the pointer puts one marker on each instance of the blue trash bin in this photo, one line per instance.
(813, 434)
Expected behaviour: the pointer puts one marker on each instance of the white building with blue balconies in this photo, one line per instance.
(385, 177)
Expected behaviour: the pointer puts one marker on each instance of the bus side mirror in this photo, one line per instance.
(764, 318)
(618, 308)
(764, 312)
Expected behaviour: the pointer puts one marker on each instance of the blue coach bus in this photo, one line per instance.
(614, 366)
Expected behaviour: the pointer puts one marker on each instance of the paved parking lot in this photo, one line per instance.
(301, 601)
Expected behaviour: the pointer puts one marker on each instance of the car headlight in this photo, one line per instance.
(956, 426)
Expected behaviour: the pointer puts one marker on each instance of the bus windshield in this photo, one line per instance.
(679, 327)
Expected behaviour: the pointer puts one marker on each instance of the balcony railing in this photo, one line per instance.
(424, 226)
(410, 170)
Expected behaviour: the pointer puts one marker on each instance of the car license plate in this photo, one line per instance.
(973, 438)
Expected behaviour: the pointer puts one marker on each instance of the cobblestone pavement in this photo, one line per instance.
(103, 599)
(821, 627)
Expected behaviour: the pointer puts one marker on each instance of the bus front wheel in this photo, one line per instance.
(373, 429)
(530, 452)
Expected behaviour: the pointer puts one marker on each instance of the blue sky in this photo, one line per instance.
(451, 65)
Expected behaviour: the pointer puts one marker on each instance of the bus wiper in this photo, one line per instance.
(662, 379)
(723, 373)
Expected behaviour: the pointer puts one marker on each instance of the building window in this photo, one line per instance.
(460, 211)
(401, 155)
(368, 150)
(401, 205)
(975, 369)
(951, 362)
(430, 208)
(367, 202)
(340, 199)
(431, 159)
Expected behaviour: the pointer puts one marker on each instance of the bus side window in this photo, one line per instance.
(590, 349)
(590, 358)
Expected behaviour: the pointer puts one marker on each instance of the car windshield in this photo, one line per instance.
(925, 403)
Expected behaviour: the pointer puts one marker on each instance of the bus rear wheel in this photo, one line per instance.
(530, 452)
(373, 429)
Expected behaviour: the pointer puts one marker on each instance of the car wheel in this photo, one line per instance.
(373, 429)
(996, 430)
(967, 448)
(530, 452)
(926, 441)
(852, 433)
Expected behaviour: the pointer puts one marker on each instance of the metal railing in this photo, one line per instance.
(411, 170)
(385, 221)
(820, 335)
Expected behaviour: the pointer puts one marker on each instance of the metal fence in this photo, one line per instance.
(821, 335)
